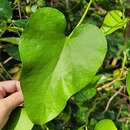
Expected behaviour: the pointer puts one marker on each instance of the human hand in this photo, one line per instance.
(10, 98)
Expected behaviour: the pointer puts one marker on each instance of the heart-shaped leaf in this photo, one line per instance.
(56, 66)
(105, 124)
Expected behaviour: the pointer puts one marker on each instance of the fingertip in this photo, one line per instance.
(19, 88)
(18, 85)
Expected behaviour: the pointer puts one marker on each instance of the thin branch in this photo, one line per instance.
(110, 100)
(83, 16)
(108, 84)
(9, 76)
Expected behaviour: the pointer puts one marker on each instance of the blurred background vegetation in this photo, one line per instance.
(107, 97)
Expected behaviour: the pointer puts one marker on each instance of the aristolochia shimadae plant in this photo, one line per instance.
(56, 66)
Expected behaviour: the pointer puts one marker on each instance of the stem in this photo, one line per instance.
(124, 59)
(85, 13)
(67, 4)
(110, 100)
(6, 72)
(83, 16)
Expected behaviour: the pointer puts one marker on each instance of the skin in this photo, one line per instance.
(10, 98)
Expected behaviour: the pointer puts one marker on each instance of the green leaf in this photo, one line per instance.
(54, 66)
(5, 10)
(113, 21)
(13, 52)
(19, 121)
(85, 94)
(105, 124)
(21, 23)
(88, 92)
(128, 82)
(13, 40)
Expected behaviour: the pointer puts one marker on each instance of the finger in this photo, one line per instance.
(13, 101)
(8, 83)
(18, 86)
(9, 86)
(2, 93)
(20, 90)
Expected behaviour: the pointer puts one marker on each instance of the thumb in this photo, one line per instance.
(13, 100)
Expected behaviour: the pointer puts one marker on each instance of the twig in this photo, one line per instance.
(19, 10)
(118, 114)
(9, 76)
(108, 84)
(7, 60)
(67, 4)
(110, 100)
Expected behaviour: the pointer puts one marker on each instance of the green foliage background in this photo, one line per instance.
(86, 108)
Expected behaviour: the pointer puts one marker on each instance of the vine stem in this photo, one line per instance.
(110, 100)
(83, 16)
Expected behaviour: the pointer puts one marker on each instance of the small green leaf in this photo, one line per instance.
(55, 66)
(113, 21)
(13, 52)
(105, 124)
(85, 94)
(88, 92)
(5, 10)
(21, 22)
(13, 40)
(128, 82)
(19, 121)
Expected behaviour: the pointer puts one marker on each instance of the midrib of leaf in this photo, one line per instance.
(52, 73)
